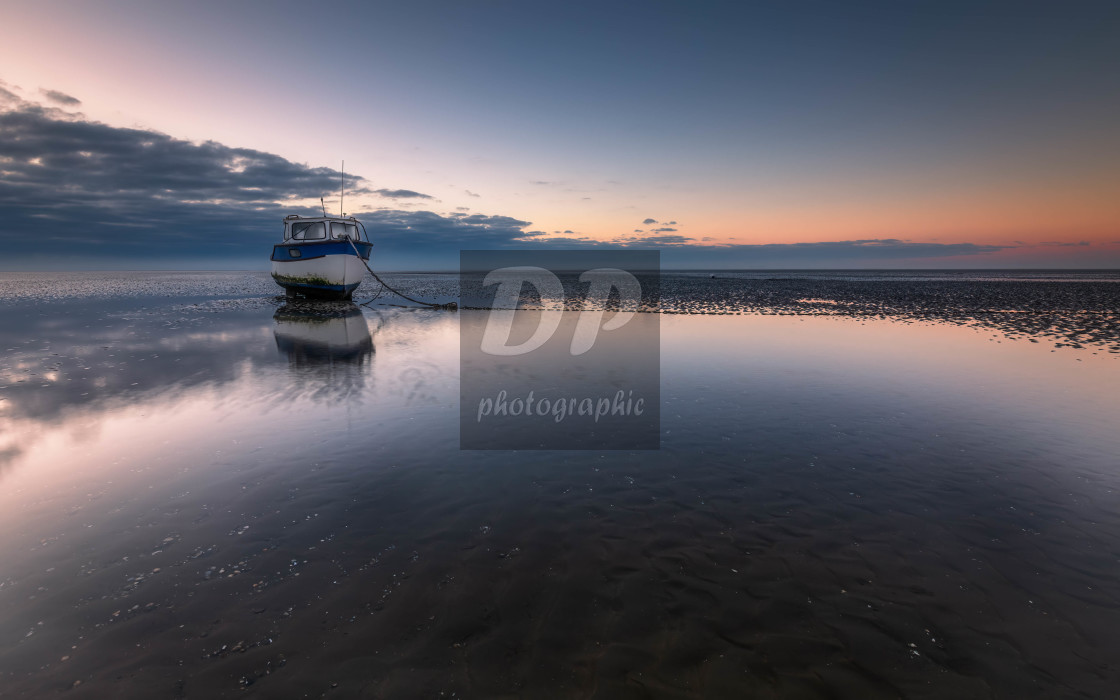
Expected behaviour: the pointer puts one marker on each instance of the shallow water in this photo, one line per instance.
(206, 492)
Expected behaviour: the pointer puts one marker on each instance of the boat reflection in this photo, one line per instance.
(322, 334)
(328, 346)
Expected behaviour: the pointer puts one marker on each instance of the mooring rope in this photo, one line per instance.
(380, 291)
(450, 305)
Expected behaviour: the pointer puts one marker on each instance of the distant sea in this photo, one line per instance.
(870, 484)
(1041, 275)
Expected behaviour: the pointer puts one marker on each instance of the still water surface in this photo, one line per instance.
(213, 493)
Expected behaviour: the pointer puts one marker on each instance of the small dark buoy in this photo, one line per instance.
(711, 277)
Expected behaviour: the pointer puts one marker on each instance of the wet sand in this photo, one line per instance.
(1065, 313)
(872, 498)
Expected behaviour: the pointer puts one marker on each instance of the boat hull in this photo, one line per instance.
(327, 270)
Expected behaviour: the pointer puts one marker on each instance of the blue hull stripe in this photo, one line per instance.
(311, 251)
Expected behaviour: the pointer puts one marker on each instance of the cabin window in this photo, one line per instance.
(309, 231)
(340, 231)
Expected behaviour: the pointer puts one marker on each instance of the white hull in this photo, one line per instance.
(342, 270)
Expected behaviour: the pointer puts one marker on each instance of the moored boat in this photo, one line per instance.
(321, 256)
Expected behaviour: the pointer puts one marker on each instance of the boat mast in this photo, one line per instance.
(342, 194)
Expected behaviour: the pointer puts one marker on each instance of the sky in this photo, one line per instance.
(904, 134)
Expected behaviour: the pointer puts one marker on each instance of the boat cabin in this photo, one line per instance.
(322, 228)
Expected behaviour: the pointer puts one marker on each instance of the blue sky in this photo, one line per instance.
(887, 134)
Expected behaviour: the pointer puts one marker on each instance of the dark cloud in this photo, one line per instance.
(1060, 244)
(647, 222)
(88, 161)
(563, 243)
(471, 194)
(80, 194)
(656, 241)
(72, 188)
(395, 229)
(61, 98)
(672, 223)
(402, 194)
(664, 230)
(541, 182)
(74, 191)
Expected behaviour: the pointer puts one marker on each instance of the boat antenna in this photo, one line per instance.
(324, 205)
(342, 194)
